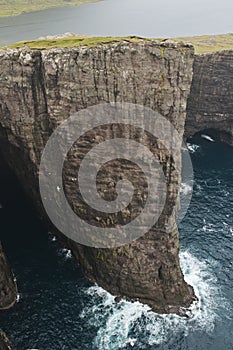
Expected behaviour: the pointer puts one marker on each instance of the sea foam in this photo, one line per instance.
(192, 147)
(125, 324)
(186, 188)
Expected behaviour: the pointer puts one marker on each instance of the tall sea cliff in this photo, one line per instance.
(40, 89)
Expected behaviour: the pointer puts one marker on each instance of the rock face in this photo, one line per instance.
(8, 290)
(4, 342)
(210, 104)
(8, 294)
(40, 89)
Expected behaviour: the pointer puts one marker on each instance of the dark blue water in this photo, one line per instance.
(58, 309)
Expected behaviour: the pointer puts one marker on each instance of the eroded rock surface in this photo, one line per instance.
(8, 290)
(39, 90)
(210, 104)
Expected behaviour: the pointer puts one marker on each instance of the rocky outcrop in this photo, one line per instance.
(210, 104)
(8, 290)
(40, 89)
(8, 294)
(4, 342)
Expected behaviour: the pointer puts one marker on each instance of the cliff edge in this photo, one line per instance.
(40, 89)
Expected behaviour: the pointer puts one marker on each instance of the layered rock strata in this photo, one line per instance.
(40, 89)
(210, 104)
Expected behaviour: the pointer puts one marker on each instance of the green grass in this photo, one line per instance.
(75, 41)
(210, 43)
(15, 7)
(202, 44)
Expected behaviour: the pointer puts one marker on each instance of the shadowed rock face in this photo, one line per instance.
(210, 104)
(8, 294)
(39, 90)
(8, 290)
(4, 342)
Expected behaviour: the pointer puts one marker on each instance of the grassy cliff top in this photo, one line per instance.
(202, 44)
(15, 7)
(74, 41)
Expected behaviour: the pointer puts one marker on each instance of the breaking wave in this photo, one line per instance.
(186, 188)
(65, 253)
(192, 147)
(125, 324)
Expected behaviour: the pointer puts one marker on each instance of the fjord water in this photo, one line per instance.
(148, 18)
(59, 309)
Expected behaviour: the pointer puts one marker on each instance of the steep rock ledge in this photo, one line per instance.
(210, 104)
(8, 289)
(40, 89)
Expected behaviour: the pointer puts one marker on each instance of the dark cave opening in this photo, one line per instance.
(21, 230)
(26, 239)
(215, 134)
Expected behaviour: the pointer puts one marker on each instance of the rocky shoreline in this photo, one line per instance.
(42, 88)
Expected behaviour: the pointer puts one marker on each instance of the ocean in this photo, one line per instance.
(59, 309)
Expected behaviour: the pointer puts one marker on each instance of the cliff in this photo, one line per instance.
(4, 342)
(8, 290)
(210, 106)
(8, 294)
(40, 89)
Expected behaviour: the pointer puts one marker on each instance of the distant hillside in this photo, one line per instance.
(210, 43)
(15, 7)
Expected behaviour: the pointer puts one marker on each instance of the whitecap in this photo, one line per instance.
(208, 227)
(185, 188)
(66, 253)
(192, 147)
(52, 237)
(206, 137)
(118, 323)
